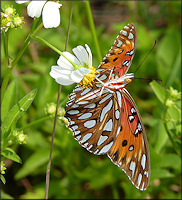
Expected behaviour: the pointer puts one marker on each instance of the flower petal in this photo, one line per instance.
(64, 63)
(78, 74)
(21, 1)
(81, 54)
(50, 14)
(34, 8)
(56, 71)
(61, 78)
(89, 56)
(64, 80)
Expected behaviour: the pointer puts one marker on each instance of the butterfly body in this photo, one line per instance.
(104, 117)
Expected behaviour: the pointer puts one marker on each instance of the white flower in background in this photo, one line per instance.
(66, 73)
(49, 9)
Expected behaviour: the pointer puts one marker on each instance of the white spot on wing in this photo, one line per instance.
(78, 137)
(102, 139)
(73, 95)
(142, 185)
(86, 137)
(119, 43)
(119, 98)
(71, 122)
(139, 179)
(73, 112)
(133, 111)
(119, 128)
(75, 106)
(146, 173)
(82, 102)
(90, 123)
(85, 91)
(108, 126)
(143, 161)
(106, 109)
(131, 118)
(103, 77)
(117, 114)
(85, 116)
(96, 151)
(74, 127)
(124, 33)
(126, 27)
(92, 105)
(105, 98)
(132, 168)
(78, 88)
(130, 36)
(90, 147)
(86, 144)
(106, 148)
(77, 132)
(100, 70)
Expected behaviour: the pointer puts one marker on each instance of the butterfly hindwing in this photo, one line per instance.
(130, 150)
(94, 120)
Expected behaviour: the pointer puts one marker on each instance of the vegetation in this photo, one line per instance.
(27, 117)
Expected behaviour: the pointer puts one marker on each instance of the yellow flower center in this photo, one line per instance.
(88, 78)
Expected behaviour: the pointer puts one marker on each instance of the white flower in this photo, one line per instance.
(65, 73)
(49, 10)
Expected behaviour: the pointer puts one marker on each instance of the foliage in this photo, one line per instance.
(76, 173)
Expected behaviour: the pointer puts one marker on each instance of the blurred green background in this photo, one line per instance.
(76, 173)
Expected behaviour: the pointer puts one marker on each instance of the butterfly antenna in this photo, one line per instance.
(146, 56)
(150, 79)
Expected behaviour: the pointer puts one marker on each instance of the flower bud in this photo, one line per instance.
(18, 21)
(9, 10)
(3, 168)
(170, 103)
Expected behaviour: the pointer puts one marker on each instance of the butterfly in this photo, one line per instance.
(104, 118)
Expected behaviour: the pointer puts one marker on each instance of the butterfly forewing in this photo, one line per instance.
(107, 121)
(120, 56)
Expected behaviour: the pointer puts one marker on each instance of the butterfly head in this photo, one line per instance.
(129, 77)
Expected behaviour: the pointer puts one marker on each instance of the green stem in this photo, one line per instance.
(170, 135)
(5, 42)
(53, 48)
(92, 27)
(18, 56)
(35, 122)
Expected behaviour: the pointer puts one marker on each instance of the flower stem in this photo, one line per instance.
(35, 122)
(92, 27)
(54, 127)
(53, 48)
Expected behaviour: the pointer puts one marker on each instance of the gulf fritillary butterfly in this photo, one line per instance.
(104, 117)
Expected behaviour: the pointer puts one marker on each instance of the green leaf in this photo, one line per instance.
(160, 173)
(175, 113)
(8, 102)
(10, 154)
(5, 196)
(36, 160)
(170, 160)
(3, 179)
(159, 91)
(162, 137)
(16, 112)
